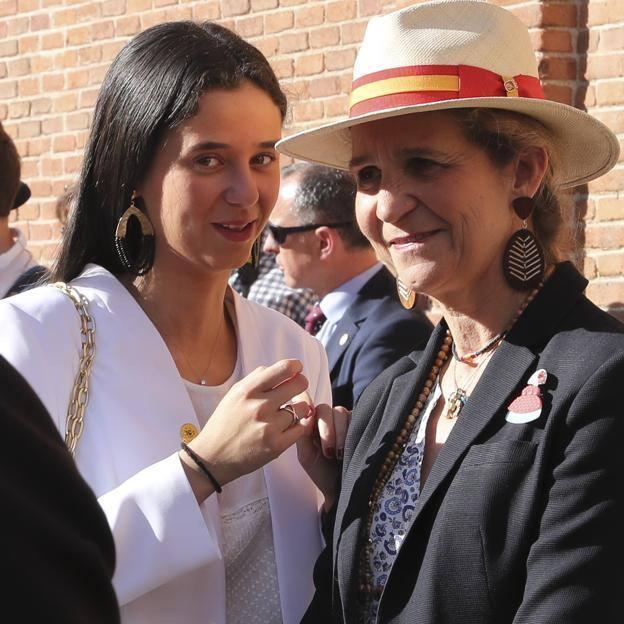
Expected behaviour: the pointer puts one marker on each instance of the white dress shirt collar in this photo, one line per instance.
(14, 262)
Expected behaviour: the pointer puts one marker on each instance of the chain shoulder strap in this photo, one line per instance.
(74, 423)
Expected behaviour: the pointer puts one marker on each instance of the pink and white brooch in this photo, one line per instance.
(528, 406)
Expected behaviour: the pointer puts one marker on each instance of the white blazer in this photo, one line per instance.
(169, 562)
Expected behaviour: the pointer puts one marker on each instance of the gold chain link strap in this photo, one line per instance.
(74, 423)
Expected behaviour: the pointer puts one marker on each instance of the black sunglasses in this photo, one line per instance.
(280, 233)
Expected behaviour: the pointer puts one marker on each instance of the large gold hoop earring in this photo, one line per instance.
(407, 297)
(137, 261)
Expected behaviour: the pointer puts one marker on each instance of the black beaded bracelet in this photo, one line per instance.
(200, 464)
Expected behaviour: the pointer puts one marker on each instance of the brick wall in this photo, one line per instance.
(54, 53)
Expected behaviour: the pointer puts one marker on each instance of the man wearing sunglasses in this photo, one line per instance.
(319, 246)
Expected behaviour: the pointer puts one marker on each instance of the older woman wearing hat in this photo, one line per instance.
(482, 475)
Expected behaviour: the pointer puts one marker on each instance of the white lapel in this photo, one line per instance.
(293, 498)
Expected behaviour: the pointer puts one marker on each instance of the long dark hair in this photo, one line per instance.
(152, 86)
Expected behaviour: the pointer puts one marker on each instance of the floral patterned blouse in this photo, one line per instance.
(397, 502)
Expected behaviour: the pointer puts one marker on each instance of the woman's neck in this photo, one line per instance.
(478, 314)
(188, 310)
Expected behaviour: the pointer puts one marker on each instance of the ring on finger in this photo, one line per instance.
(290, 409)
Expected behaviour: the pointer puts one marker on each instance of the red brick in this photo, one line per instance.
(90, 55)
(4, 111)
(71, 164)
(337, 106)
(176, 14)
(52, 125)
(277, 22)
(604, 293)
(64, 143)
(309, 16)
(3, 70)
(234, 7)
(589, 268)
(50, 41)
(28, 129)
(113, 7)
(88, 98)
(136, 6)
(96, 74)
(262, 5)
(309, 64)
(39, 231)
(8, 89)
(160, 3)
(79, 35)
(28, 44)
(322, 87)
(19, 67)
(111, 49)
(558, 93)
(557, 68)
(8, 48)
(40, 64)
(610, 264)
(293, 42)
(27, 6)
(65, 17)
(340, 59)
(18, 110)
(325, 36)
(207, 11)
(341, 11)
(28, 212)
(78, 121)
(610, 92)
(41, 106)
(53, 82)
(283, 68)
(368, 7)
(250, 26)
(562, 14)
(129, 25)
(611, 40)
(605, 66)
(609, 208)
(268, 46)
(65, 103)
(88, 12)
(17, 26)
(552, 40)
(39, 22)
(37, 147)
(352, 32)
(28, 86)
(307, 111)
(8, 7)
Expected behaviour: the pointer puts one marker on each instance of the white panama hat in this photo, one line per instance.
(450, 54)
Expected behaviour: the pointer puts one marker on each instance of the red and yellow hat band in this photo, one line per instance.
(421, 84)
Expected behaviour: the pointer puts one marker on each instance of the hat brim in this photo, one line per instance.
(23, 195)
(586, 148)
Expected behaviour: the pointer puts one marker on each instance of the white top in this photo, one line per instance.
(252, 591)
(14, 262)
(170, 561)
(337, 302)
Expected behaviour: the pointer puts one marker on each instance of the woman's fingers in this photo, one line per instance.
(342, 418)
(325, 423)
(266, 378)
(298, 414)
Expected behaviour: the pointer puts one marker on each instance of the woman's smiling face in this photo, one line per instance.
(215, 179)
(431, 201)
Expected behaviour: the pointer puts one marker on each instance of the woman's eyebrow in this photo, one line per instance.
(210, 145)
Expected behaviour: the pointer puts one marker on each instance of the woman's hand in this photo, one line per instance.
(248, 429)
(321, 449)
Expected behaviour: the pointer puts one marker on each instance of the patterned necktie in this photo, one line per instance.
(314, 319)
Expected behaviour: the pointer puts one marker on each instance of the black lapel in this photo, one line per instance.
(374, 428)
(339, 342)
(506, 370)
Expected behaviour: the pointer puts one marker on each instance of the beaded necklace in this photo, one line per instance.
(367, 590)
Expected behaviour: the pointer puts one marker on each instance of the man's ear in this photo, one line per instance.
(530, 169)
(326, 238)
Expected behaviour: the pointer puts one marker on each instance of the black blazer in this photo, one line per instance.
(375, 332)
(57, 550)
(517, 523)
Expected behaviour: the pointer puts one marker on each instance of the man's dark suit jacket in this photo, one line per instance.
(57, 550)
(516, 523)
(375, 332)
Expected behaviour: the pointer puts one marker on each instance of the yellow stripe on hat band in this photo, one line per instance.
(403, 84)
